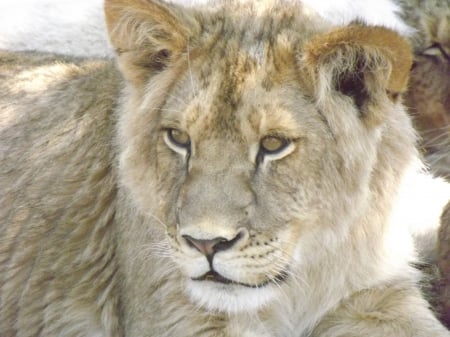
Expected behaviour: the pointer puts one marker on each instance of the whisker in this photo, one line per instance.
(158, 220)
(178, 99)
(166, 109)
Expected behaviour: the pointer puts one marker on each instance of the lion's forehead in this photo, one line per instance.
(240, 96)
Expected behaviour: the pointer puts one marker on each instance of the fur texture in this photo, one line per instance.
(429, 102)
(239, 177)
(428, 97)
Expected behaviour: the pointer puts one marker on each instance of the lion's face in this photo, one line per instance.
(227, 146)
(247, 170)
(241, 174)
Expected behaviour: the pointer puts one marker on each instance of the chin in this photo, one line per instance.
(230, 298)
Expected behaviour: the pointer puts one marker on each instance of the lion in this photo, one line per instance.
(428, 95)
(238, 171)
(429, 103)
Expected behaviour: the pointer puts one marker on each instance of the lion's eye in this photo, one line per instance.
(274, 148)
(273, 145)
(177, 140)
(178, 137)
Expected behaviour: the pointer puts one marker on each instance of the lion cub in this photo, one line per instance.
(237, 176)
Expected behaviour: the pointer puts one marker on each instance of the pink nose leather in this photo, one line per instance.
(212, 246)
(207, 247)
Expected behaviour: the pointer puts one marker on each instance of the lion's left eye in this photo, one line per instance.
(177, 140)
(274, 147)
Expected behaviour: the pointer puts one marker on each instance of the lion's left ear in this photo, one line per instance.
(361, 62)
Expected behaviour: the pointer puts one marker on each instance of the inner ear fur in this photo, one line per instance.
(361, 62)
(147, 35)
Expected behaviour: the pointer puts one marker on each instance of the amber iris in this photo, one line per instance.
(179, 138)
(273, 144)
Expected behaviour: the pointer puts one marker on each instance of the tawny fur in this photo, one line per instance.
(428, 100)
(428, 97)
(98, 200)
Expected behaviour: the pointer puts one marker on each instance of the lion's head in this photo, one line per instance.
(266, 145)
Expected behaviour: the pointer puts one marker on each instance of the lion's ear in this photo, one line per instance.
(147, 35)
(363, 63)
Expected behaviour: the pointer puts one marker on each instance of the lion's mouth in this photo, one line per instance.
(214, 276)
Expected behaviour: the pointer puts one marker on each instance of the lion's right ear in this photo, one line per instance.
(147, 35)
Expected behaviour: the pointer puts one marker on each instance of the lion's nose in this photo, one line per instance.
(212, 246)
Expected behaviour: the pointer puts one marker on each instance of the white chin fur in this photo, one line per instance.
(229, 298)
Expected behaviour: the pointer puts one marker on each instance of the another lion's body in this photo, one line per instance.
(147, 205)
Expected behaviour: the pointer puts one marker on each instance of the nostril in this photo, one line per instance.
(212, 246)
(223, 245)
(205, 247)
(227, 244)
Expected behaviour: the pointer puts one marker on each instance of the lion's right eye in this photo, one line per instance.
(177, 140)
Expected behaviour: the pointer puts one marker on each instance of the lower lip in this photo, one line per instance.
(213, 276)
